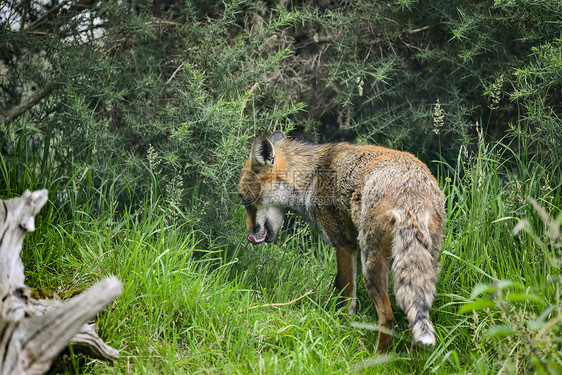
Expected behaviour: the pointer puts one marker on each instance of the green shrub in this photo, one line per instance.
(519, 327)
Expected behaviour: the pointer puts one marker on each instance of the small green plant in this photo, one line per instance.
(518, 328)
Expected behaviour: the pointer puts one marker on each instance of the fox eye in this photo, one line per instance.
(247, 202)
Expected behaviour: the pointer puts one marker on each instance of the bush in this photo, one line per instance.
(518, 324)
(501, 264)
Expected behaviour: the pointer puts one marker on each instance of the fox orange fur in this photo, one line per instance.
(377, 207)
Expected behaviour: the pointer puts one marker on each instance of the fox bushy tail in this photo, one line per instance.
(414, 273)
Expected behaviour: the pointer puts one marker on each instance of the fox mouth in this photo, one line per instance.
(266, 236)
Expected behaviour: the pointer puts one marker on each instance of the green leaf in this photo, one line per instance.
(479, 304)
(554, 368)
(504, 284)
(541, 320)
(525, 297)
(480, 289)
(543, 367)
(501, 331)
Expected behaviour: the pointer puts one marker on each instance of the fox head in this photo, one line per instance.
(260, 187)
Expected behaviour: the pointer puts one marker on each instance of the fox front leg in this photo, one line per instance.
(346, 279)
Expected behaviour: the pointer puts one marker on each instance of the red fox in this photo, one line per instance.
(374, 205)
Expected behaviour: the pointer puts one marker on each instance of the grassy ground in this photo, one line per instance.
(185, 309)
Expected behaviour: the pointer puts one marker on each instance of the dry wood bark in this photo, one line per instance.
(34, 331)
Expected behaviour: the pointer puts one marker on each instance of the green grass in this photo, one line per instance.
(186, 309)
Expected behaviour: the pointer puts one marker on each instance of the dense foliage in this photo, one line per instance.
(193, 81)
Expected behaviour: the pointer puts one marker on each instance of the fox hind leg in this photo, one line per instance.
(375, 276)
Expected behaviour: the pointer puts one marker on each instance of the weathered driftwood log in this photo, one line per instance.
(34, 331)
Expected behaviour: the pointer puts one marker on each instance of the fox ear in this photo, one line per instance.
(276, 136)
(262, 154)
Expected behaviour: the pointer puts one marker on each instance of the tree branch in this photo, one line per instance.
(34, 331)
(28, 103)
(25, 4)
(77, 7)
(46, 15)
